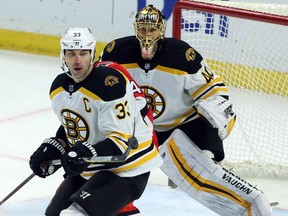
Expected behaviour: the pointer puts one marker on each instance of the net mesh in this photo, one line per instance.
(252, 57)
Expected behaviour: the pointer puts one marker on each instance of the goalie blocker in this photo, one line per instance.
(207, 182)
(217, 111)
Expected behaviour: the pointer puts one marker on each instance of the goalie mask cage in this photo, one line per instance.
(247, 44)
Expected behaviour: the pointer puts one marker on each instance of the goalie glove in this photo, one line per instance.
(218, 112)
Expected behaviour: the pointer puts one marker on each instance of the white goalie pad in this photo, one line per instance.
(210, 184)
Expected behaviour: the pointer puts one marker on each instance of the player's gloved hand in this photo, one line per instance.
(71, 160)
(218, 112)
(50, 149)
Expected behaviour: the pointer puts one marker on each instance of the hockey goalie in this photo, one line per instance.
(207, 182)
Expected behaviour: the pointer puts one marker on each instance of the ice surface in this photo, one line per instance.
(26, 118)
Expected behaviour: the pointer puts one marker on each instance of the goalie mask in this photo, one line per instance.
(150, 27)
(77, 39)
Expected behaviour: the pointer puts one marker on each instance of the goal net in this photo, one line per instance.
(247, 44)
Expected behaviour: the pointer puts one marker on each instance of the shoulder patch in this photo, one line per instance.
(111, 80)
(110, 46)
(190, 54)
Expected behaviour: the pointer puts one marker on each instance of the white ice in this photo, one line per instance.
(26, 118)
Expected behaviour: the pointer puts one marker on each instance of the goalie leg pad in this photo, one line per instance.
(210, 184)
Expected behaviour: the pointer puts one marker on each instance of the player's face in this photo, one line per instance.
(79, 63)
(149, 33)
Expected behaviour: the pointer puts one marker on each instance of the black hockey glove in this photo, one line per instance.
(71, 160)
(50, 149)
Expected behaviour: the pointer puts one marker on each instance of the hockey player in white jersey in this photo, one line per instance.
(99, 117)
(186, 95)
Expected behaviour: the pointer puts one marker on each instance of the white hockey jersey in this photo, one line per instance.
(102, 107)
(173, 80)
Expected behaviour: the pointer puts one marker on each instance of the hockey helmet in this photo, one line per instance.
(77, 39)
(150, 27)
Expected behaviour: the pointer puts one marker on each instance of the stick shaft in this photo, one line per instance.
(132, 144)
(17, 188)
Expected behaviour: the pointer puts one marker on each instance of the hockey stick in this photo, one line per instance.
(132, 144)
(17, 188)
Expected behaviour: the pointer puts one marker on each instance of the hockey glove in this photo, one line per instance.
(71, 160)
(50, 149)
(218, 112)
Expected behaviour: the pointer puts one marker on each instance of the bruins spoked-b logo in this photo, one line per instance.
(75, 126)
(155, 100)
(110, 46)
(111, 80)
(190, 54)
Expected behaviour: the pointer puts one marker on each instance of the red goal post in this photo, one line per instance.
(247, 44)
(229, 11)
